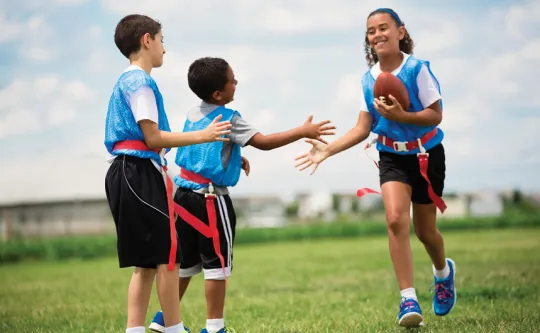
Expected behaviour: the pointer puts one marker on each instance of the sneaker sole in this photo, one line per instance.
(455, 293)
(154, 327)
(411, 320)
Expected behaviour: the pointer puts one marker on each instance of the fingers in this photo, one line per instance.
(327, 133)
(220, 133)
(223, 139)
(305, 165)
(301, 156)
(322, 140)
(326, 128)
(223, 125)
(309, 119)
(313, 142)
(303, 162)
(324, 123)
(216, 119)
(314, 168)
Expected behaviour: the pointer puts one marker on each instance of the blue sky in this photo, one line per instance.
(292, 58)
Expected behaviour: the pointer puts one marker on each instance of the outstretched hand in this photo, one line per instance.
(314, 131)
(391, 112)
(313, 157)
(216, 130)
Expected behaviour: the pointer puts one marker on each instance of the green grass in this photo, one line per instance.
(335, 285)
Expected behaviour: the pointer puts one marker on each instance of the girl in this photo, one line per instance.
(412, 159)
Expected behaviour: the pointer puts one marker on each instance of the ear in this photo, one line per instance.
(401, 32)
(145, 40)
(216, 95)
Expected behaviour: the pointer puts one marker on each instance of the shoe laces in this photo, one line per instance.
(442, 291)
(407, 304)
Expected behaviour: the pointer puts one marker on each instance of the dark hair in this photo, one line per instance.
(405, 45)
(129, 31)
(207, 75)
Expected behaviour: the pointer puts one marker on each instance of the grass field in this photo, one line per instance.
(338, 285)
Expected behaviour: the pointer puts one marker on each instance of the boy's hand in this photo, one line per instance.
(245, 165)
(215, 130)
(315, 156)
(314, 131)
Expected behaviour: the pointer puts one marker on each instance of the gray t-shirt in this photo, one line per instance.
(241, 133)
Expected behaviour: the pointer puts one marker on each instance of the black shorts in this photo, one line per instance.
(136, 194)
(198, 251)
(406, 169)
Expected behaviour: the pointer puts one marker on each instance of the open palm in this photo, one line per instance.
(313, 157)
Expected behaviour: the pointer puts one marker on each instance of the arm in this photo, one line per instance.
(144, 107)
(354, 136)
(157, 139)
(430, 116)
(319, 152)
(429, 96)
(277, 140)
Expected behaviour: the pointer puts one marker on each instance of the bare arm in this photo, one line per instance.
(277, 140)
(319, 151)
(354, 136)
(430, 116)
(157, 139)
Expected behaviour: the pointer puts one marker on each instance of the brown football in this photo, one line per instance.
(389, 84)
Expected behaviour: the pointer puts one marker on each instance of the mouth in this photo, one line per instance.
(380, 42)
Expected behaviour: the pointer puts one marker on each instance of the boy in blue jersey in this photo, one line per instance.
(137, 135)
(412, 159)
(207, 171)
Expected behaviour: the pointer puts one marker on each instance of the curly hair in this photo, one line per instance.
(405, 45)
(207, 75)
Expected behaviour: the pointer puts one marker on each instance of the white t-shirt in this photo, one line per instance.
(143, 106)
(428, 89)
(143, 101)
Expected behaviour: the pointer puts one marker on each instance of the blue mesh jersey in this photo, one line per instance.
(399, 131)
(205, 159)
(120, 123)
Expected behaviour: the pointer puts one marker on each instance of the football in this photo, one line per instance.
(389, 84)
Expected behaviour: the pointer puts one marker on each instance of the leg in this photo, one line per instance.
(396, 191)
(215, 285)
(183, 285)
(396, 196)
(168, 294)
(425, 227)
(140, 288)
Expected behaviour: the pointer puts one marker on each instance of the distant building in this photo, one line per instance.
(55, 218)
(260, 211)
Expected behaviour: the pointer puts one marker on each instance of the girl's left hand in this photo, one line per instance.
(394, 112)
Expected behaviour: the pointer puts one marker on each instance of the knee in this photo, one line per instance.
(397, 222)
(425, 234)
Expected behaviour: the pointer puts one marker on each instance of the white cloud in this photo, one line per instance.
(288, 67)
(30, 105)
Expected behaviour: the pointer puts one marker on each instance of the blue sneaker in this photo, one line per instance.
(410, 314)
(445, 293)
(223, 330)
(158, 324)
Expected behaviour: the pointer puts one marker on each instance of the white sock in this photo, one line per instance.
(178, 328)
(409, 293)
(139, 329)
(443, 273)
(214, 325)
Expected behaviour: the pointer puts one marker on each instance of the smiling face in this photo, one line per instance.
(384, 34)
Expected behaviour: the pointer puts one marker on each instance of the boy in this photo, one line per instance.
(137, 135)
(206, 172)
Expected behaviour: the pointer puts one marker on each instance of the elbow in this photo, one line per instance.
(437, 119)
(152, 141)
